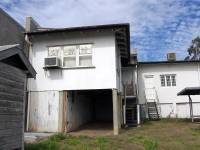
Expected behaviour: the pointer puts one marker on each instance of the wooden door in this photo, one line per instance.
(149, 88)
(69, 111)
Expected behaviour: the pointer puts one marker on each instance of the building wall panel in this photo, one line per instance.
(44, 111)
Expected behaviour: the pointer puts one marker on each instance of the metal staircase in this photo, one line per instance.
(153, 111)
(129, 106)
(131, 111)
(153, 105)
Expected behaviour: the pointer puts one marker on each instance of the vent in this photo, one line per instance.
(171, 56)
(52, 62)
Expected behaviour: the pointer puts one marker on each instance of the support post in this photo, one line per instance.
(138, 114)
(116, 113)
(124, 106)
(191, 108)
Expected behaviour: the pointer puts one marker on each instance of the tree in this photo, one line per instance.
(194, 50)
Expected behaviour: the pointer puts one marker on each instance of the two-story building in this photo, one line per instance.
(87, 76)
(79, 76)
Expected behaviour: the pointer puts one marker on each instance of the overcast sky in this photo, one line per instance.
(157, 26)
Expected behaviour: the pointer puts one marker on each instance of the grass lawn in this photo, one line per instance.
(167, 134)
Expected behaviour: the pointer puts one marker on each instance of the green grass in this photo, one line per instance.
(166, 134)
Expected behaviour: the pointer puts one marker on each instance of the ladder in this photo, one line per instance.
(153, 105)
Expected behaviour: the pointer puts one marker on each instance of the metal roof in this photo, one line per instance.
(190, 91)
(13, 55)
(95, 27)
(168, 62)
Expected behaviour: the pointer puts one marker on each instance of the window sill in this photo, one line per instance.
(81, 67)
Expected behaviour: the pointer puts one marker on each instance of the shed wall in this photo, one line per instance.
(11, 107)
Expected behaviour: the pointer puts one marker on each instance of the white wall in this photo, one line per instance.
(81, 111)
(187, 75)
(44, 111)
(102, 76)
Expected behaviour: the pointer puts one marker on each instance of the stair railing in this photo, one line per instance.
(158, 102)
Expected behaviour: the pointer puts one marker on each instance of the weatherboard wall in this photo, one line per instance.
(12, 92)
(44, 91)
(102, 75)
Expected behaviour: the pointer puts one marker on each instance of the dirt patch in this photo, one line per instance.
(94, 129)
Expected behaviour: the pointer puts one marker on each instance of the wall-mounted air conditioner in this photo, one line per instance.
(52, 62)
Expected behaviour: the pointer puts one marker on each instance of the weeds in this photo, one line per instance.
(149, 144)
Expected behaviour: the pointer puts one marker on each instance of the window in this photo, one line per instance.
(73, 55)
(162, 79)
(69, 56)
(168, 80)
(85, 55)
(54, 51)
(173, 78)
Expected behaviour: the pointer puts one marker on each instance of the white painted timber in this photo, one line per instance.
(102, 76)
(44, 111)
(187, 75)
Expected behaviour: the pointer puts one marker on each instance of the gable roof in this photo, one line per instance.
(11, 19)
(13, 55)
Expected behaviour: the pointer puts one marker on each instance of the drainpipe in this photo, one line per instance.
(137, 100)
(28, 83)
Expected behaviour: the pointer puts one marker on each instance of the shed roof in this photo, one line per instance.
(190, 91)
(13, 55)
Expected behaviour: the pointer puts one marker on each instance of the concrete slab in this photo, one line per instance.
(30, 137)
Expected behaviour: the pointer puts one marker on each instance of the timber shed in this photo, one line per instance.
(14, 71)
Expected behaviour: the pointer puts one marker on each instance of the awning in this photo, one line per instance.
(190, 91)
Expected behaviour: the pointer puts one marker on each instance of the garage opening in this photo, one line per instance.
(90, 112)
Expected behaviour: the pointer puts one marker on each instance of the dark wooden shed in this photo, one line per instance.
(14, 70)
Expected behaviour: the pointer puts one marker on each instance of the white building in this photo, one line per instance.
(161, 81)
(84, 75)
(79, 76)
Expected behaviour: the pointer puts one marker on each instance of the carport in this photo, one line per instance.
(190, 91)
(90, 111)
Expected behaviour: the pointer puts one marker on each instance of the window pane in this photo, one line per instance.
(173, 77)
(69, 50)
(85, 49)
(162, 80)
(168, 80)
(85, 61)
(69, 61)
(54, 51)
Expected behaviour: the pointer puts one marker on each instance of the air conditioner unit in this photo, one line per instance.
(171, 56)
(52, 62)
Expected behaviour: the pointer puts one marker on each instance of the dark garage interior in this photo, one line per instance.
(90, 111)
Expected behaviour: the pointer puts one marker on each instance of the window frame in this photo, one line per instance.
(77, 55)
(169, 80)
